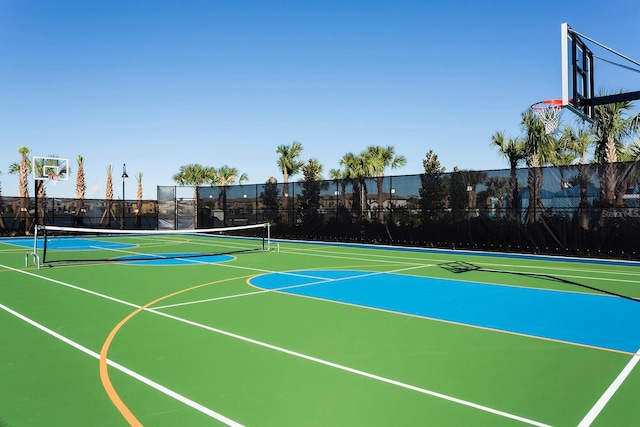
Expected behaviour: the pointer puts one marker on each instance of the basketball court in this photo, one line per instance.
(231, 327)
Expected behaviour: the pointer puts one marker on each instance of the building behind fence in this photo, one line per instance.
(551, 210)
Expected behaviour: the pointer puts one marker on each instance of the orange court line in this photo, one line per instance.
(104, 372)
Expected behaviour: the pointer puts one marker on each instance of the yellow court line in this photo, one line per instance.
(104, 372)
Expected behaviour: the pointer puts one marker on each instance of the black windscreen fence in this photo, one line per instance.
(580, 210)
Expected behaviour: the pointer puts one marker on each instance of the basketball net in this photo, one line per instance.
(549, 112)
(53, 178)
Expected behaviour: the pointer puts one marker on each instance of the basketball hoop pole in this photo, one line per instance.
(35, 210)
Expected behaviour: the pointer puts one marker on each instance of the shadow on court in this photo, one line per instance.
(154, 259)
(458, 267)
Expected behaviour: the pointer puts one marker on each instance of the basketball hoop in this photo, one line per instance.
(549, 112)
(53, 178)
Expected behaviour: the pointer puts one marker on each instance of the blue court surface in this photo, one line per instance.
(601, 321)
(68, 243)
(81, 244)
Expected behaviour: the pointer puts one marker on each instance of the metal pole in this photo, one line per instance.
(124, 175)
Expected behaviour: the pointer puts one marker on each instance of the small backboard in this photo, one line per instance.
(44, 168)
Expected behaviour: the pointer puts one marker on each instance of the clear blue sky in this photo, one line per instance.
(161, 84)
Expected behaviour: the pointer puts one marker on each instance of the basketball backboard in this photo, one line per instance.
(578, 76)
(45, 168)
(577, 73)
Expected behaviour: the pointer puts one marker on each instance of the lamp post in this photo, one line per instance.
(124, 175)
(337, 194)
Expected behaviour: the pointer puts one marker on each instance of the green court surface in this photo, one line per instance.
(190, 330)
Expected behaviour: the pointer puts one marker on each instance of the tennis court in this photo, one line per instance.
(198, 330)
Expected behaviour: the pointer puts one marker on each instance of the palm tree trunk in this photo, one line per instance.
(137, 220)
(610, 172)
(363, 199)
(106, 216)
(380, 201)
(609, 185)
(534, 182)
(513, 193)
(538, 188)
(285, 197)
(356, 204)
(79, 219)
(224, 204)
(24, 219)
(582, 177)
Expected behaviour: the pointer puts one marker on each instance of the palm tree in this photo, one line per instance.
(289, 163)
(22, 169)
(632, 152)
(356, 170)
(25, 167)
(380, 159)
(195, 175)
(138, 217)
(139, 192)
(340, 177)
(225, 177)
(108, 211)
(81, 187)
(463, 198)
(539, 149)
(611, 127)
(578, 144)
(497, 187)
(513, 150)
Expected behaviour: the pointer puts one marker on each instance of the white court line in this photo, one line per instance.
(320, 280)
(133, 374)
(352, 370)
(265, 345)
(407, 259)
(611, 390)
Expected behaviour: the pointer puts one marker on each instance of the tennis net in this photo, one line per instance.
(55, 244)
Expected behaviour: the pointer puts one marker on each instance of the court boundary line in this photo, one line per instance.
(322, 254)
(468, 252)
(353, 370)
(416, 264)
(283, 290)
(319, 281)
(408, 260)
(417, 316)
(292, 353)
(123, 369)
(610, 391)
